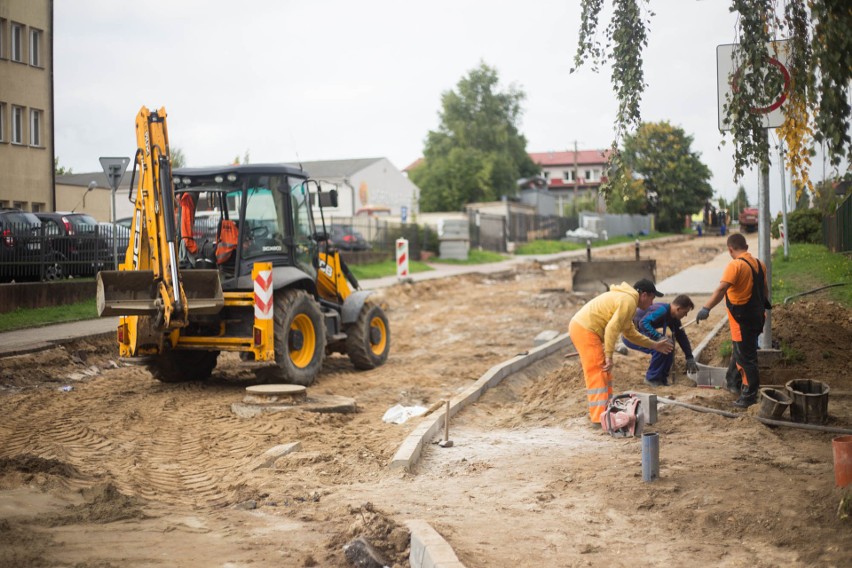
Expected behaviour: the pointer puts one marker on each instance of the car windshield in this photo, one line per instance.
(20, 218)
(82, 222)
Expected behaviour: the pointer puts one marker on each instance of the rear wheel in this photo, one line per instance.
(180, 366)
(299, 339)
(368, 339)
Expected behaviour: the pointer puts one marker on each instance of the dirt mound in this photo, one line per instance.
(104, 504)
(380, 530)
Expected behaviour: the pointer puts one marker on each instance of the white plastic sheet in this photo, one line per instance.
(398, 414)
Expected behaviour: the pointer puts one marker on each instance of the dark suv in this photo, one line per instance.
(20, 246)
(79, 245)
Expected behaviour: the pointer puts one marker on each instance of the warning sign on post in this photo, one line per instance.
(730, 67)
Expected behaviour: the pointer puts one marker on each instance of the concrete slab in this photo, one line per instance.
(701, 279)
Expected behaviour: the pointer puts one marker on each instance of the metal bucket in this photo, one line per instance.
(597, 275)
(810, 401)
(136, 293)
(773, 403)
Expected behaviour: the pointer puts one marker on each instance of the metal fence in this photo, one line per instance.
(837, 228)
(35, 252)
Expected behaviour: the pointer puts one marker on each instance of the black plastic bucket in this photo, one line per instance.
(810, 401)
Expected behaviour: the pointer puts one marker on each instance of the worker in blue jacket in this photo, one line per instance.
(654, 323)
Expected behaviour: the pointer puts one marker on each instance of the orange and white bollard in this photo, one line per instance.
(402, 258)
(264, 302)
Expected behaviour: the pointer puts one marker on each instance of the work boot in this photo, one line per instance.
(744, 402)
(655, 384)
(734, 389)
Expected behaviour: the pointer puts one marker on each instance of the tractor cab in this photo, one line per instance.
(234, 216)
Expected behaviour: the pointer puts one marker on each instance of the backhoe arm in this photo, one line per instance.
(155, 197)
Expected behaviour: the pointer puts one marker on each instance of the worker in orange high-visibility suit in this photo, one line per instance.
(596, 327)
(746, 291)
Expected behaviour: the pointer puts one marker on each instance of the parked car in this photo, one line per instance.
(20, 246)
(78, 242)
(345, 238)
(123, 232)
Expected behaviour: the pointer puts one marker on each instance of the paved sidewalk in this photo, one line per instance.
(38, 338)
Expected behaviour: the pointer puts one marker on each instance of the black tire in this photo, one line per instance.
(299, 340)
(368, 339)
(181, 366)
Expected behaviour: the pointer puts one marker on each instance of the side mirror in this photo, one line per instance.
(328, 198)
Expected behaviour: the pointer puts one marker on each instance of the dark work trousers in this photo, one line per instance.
(661, 363)
(744, 361)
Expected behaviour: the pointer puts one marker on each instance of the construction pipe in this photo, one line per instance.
(767, 421)
(815, 427)
(650, 456)
(697, 408)
(814, 290)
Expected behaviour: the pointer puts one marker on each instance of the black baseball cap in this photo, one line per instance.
(646, 285)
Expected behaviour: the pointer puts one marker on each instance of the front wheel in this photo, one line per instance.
(299, 339)
(368, 339)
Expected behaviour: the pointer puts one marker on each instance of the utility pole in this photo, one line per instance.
(763, 241)
(576, 175)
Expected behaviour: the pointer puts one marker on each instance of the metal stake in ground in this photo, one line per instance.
(446, 442)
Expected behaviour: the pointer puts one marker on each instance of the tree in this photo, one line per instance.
(739, 203)
(661, 175)
(178, 157)
(819, 62)
(245, 159)
(60, 170)
(477, 153)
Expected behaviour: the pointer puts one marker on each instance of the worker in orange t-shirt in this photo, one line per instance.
(746, 294)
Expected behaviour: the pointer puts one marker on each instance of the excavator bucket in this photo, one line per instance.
(135, 293)
(598, 275)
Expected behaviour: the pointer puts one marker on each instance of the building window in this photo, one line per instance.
(22, 205)
(589, 175)
(3, 122)
(17, 42)
(2, 38)
(35, 47)
(17, 125)
(35, 127)
(569, 175)
(38, 207)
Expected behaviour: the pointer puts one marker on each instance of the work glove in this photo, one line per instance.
(703, 314)
(691, 366)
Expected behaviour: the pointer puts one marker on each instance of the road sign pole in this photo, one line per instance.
(114, 169)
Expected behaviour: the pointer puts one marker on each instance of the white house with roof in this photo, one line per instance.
(572, 173)
(368, 186)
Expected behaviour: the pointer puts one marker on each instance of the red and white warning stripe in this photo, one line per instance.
(263, 295)
(401, 258)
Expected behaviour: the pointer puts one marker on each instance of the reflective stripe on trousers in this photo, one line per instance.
(598, 383)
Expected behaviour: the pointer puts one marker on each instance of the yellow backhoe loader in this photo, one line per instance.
(229, 259)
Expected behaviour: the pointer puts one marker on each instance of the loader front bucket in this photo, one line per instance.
(598, 275)
(135, 293)
(203, 291)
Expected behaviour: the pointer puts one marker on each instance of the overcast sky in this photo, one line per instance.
(332, 79)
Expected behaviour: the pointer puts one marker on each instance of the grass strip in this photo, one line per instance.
(809, 267)
(35, 317)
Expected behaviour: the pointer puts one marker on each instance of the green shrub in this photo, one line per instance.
(775, 228)
(805, 226)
